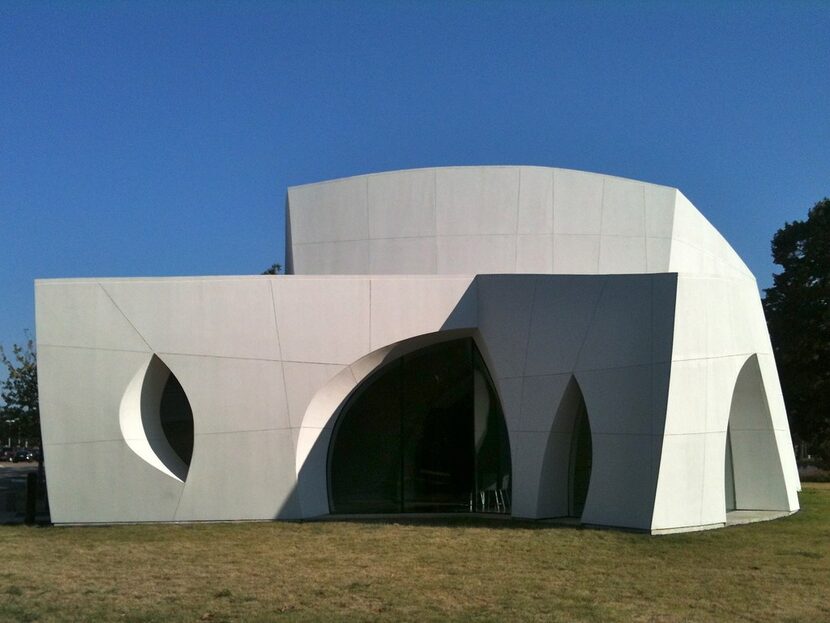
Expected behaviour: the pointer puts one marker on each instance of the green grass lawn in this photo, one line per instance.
(467, 570)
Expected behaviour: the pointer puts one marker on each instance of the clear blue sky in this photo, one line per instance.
(143, 138)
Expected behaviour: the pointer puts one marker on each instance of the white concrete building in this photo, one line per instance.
(524, 340)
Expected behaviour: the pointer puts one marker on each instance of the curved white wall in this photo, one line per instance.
(499, 219)
(267, 361)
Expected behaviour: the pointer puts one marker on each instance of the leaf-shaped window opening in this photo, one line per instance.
(156, 419)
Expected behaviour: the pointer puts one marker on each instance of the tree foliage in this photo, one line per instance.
(274, 269)
(20, 412)
(797, 308)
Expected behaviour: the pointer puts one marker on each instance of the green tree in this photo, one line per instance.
(20, 413)
(797, 308)
(275, 269)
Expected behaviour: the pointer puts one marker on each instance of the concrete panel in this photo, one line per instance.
(402, 204)
(623, 208)
(504, 308)
(749, 327)
(534, 254)
(541, 396)
(619, 254)
(660, 201)
(349, 257)
(225, 483)
(116, 485)
(527, 450)
(328, 211)
(415, 256)
(80, 313)
(658, 252)
(577, 202)
(323, 406)
(713, 503)
(404, 308)
(690, 320)
(470, 255)
(685, 258)
(660, 380)
(663, 301)
(510, 395)
(575, 254)
(302, 382)
(720, 335)
(553, 490)
(759, 477)
(562, 312)
(618, 399)
(721, 375)
(620, 332)
(210, 316)
(322, 320)
(80, 392)
(535, 200)
(312, 480)
(231, 395)
(679, 503)
(622, 488)
(784, 442)
(754, 318)
(477, 200)
(689, 226)
(687, 410)
(772, 391)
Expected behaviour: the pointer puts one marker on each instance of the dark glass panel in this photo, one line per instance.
(437, 428)
(365, 463)
(581, 459)
(177, 419)
(424, 434)
(492, 446)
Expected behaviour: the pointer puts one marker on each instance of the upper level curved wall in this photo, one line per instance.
(499, 219)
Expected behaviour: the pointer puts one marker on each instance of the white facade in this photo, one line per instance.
(563, 279)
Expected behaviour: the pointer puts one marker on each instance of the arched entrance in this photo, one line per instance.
(753, 475)
(425, 433)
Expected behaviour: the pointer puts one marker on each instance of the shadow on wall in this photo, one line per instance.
(566, 468)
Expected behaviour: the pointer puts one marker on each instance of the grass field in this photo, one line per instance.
(465, 570)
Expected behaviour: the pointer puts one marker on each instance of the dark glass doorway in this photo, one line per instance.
(580, 462)
(424, 434)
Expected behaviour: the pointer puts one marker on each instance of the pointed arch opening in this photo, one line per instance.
(157, 421)
(753, 475)
(566, 468)
(423, 434)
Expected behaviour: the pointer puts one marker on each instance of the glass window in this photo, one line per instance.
(425, 433)
(177, 419)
